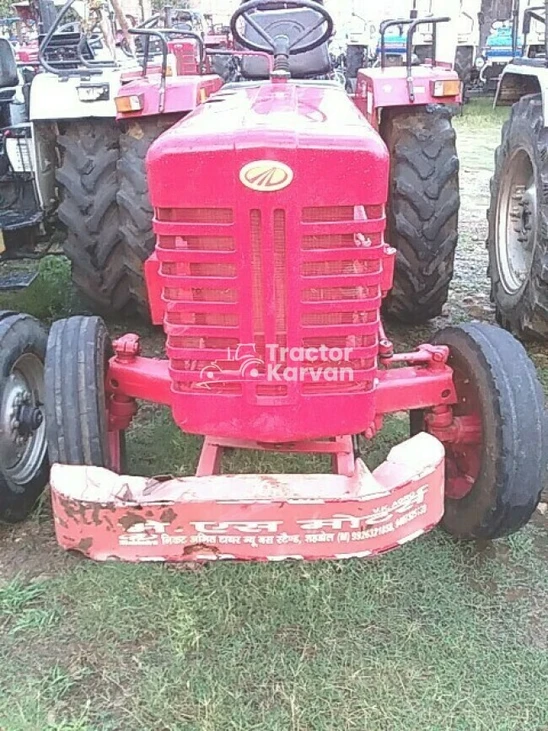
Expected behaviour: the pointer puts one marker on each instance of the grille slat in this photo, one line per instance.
(257, 283)
(315, 281)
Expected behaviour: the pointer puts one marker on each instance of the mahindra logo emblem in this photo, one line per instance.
(266, 176)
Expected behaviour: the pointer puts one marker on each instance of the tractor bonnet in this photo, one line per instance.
(270, 262)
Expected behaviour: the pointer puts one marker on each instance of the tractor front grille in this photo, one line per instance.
(246, 289)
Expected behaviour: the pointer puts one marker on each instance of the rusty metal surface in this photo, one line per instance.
(251, 517)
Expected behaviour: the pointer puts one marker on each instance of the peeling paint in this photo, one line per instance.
(277, 516)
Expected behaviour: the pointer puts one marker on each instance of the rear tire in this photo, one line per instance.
(464, 66)
(493, 485)
(519, 270)
(134, 206)
(87, 186)
(24, 466)
(76, 401)
(423, 209)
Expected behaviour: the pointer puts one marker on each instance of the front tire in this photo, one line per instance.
(517, 241)
(423, 209)
(494, 474)
(76, 400)
(24, 466)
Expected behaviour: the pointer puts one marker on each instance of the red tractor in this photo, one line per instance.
(270, 269)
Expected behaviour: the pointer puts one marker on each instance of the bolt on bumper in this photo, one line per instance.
(251, 517)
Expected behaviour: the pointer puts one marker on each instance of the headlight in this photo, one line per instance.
(480, 62)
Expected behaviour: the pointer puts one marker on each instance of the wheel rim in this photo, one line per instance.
(23, 432)
(463, 459)
(516, 217)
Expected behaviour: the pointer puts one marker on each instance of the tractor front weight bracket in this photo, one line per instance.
(406, 381)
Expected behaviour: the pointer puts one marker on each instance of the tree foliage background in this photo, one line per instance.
(6, 11)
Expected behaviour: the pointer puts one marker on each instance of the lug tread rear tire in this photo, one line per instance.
(88, 184)
(524, 313)
(134, 206)
(423, 209)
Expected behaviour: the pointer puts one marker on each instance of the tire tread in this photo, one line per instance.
(422, 210)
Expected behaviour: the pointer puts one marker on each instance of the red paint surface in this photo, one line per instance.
(182, 93)
(269, 207)
(246, 270)
(380, 88)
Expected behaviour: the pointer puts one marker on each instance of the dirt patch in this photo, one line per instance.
(30, 549)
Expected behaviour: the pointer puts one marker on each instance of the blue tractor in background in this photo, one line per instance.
(499, 50)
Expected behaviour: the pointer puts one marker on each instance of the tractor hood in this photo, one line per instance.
(270, 214)
(312, 127)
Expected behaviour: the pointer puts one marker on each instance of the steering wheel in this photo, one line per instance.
(297, 45)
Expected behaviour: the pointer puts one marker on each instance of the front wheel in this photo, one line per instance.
(496, 469)
(24, 467)
(518, 222)
(76, 402)
(464, 66)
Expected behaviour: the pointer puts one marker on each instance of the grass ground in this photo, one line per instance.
(438, 635)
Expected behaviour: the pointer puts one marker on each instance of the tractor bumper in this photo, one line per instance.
(251, 517)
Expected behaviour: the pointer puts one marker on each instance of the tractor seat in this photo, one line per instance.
(276, 20)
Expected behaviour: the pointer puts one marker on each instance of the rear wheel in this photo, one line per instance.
(464, 66)
(518, 222)
(134, 206)
(24, 467)
(88, 183)
(423, 209)
(76, 399)
(495, 470)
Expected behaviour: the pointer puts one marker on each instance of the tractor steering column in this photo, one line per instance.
(282, 46)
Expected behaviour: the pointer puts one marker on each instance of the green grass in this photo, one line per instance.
(50, 296)
(479, 112)
(437, 636)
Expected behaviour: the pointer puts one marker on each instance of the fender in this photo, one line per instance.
(53, 97)
(181, 94)
(379, 88)
(519, 79)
